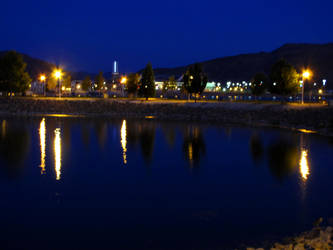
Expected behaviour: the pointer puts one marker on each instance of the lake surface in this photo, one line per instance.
(79, 183)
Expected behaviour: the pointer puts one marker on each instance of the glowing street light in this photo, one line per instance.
(123, 80)
(306, 75)
(42, 79)
(57, 74)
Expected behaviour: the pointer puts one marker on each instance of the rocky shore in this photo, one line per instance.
(317, 238)
(315, 117)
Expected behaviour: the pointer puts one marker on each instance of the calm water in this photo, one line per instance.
(76, 183)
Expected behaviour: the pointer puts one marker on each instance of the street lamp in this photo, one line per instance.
(306, 75)
(42, 79)
(123, 81)
(57, 75)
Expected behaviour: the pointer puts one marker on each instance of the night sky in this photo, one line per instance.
(89, 35)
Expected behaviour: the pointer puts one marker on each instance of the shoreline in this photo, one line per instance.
(307, 118)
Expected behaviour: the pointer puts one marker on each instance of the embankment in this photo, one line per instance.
(311, 117)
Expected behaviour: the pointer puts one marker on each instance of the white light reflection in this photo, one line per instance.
(57, 153)
(123, 134)
(304, 166)
(42, 137)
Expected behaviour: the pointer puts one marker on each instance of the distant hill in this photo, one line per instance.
(35, 66)
(317, 57)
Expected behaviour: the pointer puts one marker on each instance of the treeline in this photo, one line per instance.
(195, 81)
(283, 80)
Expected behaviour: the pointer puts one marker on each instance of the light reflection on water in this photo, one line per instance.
(304, 166)
(123, 134)
(57, 153)
(42, 137)
(174, 166)
(3, 127)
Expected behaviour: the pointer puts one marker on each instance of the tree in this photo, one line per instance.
(86, 83)
(52, 82)
(284, 79)
(195, 80)
(67, 80)
(147, 83)
(171, 84)
(99, 80)
(132, 83)
(13, 77)
(259, 84)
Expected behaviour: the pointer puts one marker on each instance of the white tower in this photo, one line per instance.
(115, 68)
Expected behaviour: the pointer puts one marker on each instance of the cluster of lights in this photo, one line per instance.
(233, 86)
(228, 87)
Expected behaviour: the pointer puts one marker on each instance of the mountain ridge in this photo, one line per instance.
(242, 67)
(317, 57)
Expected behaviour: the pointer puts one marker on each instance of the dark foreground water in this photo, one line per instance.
(78, 183)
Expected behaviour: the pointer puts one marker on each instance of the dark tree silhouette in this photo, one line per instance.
(195, 80)
(86, 83)
(284, 79)
(132, 84)
(147, 83)
(99, 80)
(13, 75)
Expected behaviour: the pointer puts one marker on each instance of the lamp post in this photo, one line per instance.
(306, 75)
(42, 79)
(123, 81)
(57, 75)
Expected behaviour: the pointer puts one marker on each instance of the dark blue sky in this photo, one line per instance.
(89, 35)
